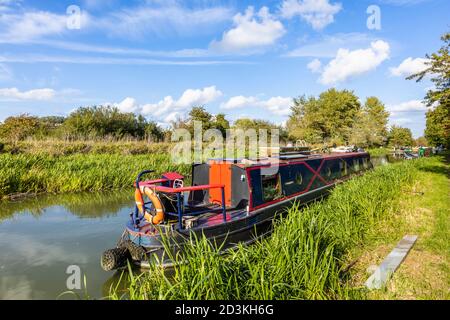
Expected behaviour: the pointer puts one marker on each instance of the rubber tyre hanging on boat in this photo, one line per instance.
(136, 252)
(114, 258)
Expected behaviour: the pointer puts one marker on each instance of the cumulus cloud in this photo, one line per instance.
(409, 66)
(315, 66)
(407, 106)
(276, 105)
(239, 102)
(318, 13)
(128, 105)
(349, 63)
(251, 31)
(170, 109)
(35, 94)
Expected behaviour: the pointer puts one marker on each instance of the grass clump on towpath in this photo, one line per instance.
(308, 256)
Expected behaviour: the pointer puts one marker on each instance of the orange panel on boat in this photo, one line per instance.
(220, 173)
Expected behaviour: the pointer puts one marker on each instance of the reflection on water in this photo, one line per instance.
(40, 237)
(383, 160)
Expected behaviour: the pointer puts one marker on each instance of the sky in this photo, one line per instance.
(243, 58)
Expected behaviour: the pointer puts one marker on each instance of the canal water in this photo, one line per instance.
(42, 237)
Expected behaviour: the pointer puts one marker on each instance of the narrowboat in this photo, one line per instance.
(229, 201)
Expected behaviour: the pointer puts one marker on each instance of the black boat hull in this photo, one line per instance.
(256, 225)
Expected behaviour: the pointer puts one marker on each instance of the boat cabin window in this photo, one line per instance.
(343, 168)
(356, 166)
(365, 163)
(271, 187)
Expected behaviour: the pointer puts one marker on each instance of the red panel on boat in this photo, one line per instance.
(172, 175)
(220, 173)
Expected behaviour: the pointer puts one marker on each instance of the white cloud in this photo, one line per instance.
(315, 66)
(35, 94)
(279, 105)
(348, 63)
(137, 22)
(168, 109)
(318, 13)
(239, 102)
(251, 32)
(128, 105)
(409, 66)
(26, 26)
(407, 106)
(276, 105)
(161, 19)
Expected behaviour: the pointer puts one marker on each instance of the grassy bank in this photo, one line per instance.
(423, 211)
(311, 252)
(35, 173)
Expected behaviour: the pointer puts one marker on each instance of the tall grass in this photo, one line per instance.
(34, 173)
(303, 258)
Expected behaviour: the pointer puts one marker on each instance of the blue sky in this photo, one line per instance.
(243, 58)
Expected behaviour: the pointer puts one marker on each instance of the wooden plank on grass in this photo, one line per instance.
(393, 260)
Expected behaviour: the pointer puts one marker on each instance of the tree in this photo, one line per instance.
(438, 67)
(326, 119)
(102, 121)
(400, 137)
(153, 132)
(370, 128)
(18, 128)
(221, 123)
(421, 141)
(437, 126)
(200, 114)
(208, 120)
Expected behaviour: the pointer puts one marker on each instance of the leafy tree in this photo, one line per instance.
(370, 128)
(421, 141)
(102, 121)
(438, 68)
(17, 128)
(153, 132)
(200, 114)
(437, 126)
(399, 136)
(328, 118)
(221, 123)
(208, 120)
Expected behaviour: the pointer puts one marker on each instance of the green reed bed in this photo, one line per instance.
(90, 172)
(303, 259)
